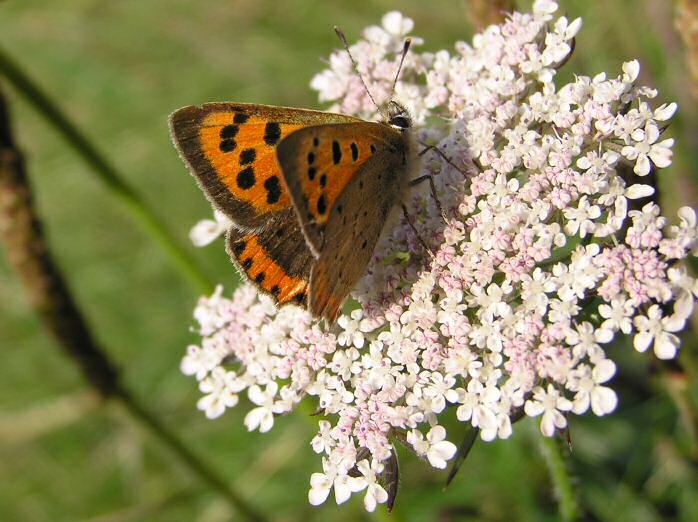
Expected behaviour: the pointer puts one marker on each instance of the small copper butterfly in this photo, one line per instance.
(308, 192)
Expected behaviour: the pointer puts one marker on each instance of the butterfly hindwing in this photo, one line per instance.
(275, 258)
(319, 162)
(231, 150)
(351, 234)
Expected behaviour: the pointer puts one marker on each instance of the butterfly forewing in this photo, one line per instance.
(231, 149)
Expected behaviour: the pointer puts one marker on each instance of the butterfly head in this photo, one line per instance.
(396, 115)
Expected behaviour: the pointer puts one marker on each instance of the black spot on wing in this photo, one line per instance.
(336, 152)
(227, 136)
(272, 133)
(229, 132)
(354, 151)
(240, 118)
(246, 178)
(239, 248)
(321, 204)
(247, 156)
(273, 189)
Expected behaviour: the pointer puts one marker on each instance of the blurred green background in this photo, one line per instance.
(118, 68)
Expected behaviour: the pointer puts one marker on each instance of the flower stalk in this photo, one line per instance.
(557, 462)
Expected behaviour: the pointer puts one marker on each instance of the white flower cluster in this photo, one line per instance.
(547, 254)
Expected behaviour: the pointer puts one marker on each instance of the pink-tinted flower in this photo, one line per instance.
(538, 266)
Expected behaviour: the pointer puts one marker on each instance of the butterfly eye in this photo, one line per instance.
(400, 122)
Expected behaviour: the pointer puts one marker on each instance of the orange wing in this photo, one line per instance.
(231, 150)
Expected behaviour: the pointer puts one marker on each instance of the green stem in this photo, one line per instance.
(105, 171)
(552, 453)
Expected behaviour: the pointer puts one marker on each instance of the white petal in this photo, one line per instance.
(573, 28)
(533, 408)
(642, 166)
(544, 7)
(638, 191)
(581, 403)
(642, 341)
(603, 400)
(604, 370)
(683, 307)
(632, 70)
(205, 232)
(664, 112)
(665, 345)
(688, 215)
(320, 489)
(342, 489)
(603, 336)
(661, 154)
(439, 453)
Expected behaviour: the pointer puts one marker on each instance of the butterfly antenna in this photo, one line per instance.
(343, 38)
(405, 48)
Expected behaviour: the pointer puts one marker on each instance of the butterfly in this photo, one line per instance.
(308, 192)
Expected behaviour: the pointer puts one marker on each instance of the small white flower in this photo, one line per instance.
(323, 442)
(657, 330)
(397, 24)
(352, 334)
(618, 315)
(646, 148)
(375, 494)
(435, 448)
(221, 390)
(263, 416)
(586, 382)
(551, 404)
(332, 477)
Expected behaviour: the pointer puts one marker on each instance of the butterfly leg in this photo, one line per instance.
(436, 149)
(432, 188)
(410, 222)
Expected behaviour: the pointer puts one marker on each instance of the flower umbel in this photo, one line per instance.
(545, 257)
